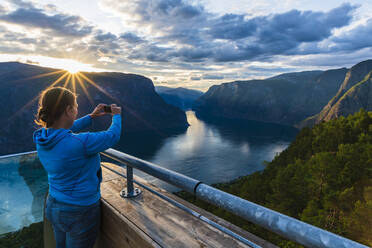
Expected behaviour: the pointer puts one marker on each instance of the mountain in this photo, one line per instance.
(285, 99)
(180, 97)
(295, 76)
(20, 85)
(354, 93)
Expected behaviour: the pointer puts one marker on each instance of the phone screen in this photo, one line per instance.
(107, 109)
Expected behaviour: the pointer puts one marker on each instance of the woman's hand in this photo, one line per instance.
(98, 111)
(115, 109)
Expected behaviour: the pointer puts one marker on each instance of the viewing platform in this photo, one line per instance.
(150, 221)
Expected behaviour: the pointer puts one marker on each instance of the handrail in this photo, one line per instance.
(281, 224)
(16, 154)
(190, 211)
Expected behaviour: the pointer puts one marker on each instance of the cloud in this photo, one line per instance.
(59, 24)
(194, 34)
(331, 60)
(170, 20)
(304, 26)
(105, 36)
(2, 9)
(155, 12)
(195, 78)
(357, 38)
(213, 76)
(191, 54)
(149, 52)
(183, 40)
(276, 34)
(131, 38)
(269, 69)
(16, 42)
(21, 3)
(180, 31)
(232, 27)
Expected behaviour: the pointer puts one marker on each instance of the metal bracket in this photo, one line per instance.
(125, 194)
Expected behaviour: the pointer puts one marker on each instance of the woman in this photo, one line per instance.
(72, 162)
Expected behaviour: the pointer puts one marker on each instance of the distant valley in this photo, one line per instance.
(180, 97)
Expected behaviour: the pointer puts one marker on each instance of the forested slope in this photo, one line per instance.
(324, 178)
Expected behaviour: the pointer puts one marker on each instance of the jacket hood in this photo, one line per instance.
(49, 137)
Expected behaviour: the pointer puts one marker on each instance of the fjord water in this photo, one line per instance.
(210, 150)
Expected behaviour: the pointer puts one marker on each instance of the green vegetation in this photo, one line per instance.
(27, 237)
(323, 178)
(365, 80)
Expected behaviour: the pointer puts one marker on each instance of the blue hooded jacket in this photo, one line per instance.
(72, 160)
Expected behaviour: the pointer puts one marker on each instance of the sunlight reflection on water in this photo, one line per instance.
(219, 153)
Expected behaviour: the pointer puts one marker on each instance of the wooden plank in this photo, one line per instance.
(107, 176)
(255, 239)
(117, 231)
(165, 224)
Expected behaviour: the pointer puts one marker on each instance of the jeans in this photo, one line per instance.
(74, 226)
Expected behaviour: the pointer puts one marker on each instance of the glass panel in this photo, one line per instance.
(23, 186)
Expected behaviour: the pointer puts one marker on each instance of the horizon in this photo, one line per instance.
(174, 87)
(187, 44)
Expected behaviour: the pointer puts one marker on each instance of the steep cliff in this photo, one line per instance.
(285, 99)
(20, 84)
(353, 94)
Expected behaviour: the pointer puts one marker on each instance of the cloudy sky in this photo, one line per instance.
(188, 43)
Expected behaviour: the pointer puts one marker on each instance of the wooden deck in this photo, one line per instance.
(150, 221)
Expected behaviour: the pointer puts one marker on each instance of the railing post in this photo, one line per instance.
(129, 191)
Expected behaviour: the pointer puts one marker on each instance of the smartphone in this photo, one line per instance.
(107, 108)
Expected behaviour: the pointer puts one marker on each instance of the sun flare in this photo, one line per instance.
(73, 66)
(72, 69)
(70, 74)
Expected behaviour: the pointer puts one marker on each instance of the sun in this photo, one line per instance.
(72, 69)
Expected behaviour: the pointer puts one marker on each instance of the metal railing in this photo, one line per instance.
(187, 209)
(17, 154)
(285, 226)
